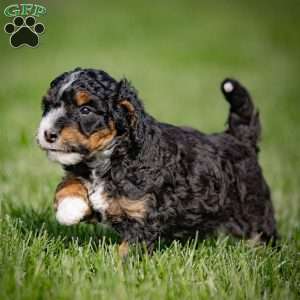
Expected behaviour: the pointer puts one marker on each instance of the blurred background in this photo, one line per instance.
(176, 53)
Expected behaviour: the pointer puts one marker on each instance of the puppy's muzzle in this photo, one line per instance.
(50, 136)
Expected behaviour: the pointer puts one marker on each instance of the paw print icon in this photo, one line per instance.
(24, 31)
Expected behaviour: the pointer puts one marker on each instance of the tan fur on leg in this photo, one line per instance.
(123, 249)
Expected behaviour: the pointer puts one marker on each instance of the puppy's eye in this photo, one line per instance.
(85, 110)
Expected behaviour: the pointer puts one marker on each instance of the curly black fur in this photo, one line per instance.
(194, 182)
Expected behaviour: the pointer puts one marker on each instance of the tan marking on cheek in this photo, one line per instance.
(70, 187)
(101, 138)
(71, 135)
(82, 97)
(96, 141)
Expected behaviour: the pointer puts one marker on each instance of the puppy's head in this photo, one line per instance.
(84, 112)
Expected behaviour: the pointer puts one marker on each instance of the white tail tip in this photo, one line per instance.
(228, 87)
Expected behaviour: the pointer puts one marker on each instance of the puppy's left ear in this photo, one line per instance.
(133, 109)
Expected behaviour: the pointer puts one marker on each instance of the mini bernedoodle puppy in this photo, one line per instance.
(148, 179)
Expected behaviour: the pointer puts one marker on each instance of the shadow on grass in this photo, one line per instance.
(38, 222)
(44, 222)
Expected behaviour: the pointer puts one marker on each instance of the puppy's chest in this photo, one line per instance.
(114, 209)
(98, 199)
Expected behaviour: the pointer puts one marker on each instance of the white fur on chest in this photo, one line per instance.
(97, 198)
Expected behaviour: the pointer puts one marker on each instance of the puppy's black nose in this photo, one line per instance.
(50, 136)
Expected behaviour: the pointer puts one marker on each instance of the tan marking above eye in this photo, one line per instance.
(99, 139)
(82, 97)
(96, 141)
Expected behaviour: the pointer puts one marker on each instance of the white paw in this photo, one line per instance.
(71, 210)
(228, 87)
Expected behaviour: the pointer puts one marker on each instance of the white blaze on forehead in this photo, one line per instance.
(48, 121)
(47, 124)
(68, 81)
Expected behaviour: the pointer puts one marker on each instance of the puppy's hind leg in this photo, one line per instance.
(263, 222)
(256, 230)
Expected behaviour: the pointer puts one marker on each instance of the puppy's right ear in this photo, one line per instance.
(132, 108)
(128, 99)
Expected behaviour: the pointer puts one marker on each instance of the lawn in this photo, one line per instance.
(176, 53)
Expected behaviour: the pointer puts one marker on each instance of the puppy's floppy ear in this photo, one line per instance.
(133, 109)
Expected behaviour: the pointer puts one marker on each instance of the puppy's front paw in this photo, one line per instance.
(71, 210)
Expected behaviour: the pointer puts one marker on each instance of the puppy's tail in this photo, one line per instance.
(243, 120)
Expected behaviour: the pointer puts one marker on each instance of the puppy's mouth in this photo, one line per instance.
(58, 150)
(64, 156)
(63, 149)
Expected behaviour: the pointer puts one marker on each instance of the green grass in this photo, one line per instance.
(176, 53)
